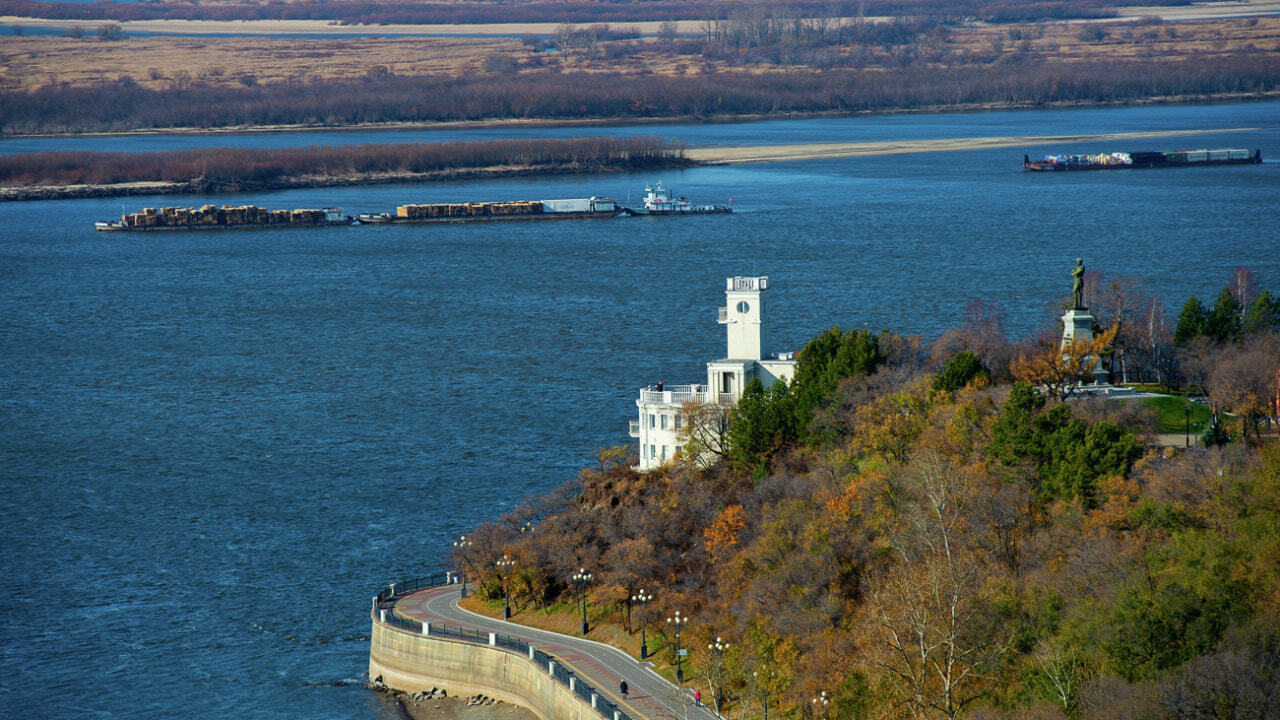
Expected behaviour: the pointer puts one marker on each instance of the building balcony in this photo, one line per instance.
(723, 319)
(675, 394)
(634, 429)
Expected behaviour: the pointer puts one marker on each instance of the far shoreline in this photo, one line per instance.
(695, 157)
(1218, 9)
(1218, 99)
(194, 187)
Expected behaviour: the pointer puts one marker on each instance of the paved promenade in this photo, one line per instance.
(649, 696)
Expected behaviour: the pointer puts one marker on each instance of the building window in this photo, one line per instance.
(653, 452)
(664, 422)
(664, 452)
(678, 423)
(652, 421)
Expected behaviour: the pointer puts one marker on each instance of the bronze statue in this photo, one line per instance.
(1077, 285)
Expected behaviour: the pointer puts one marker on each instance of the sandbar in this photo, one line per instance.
(329, 27)
(730, 155)
(1197, 11)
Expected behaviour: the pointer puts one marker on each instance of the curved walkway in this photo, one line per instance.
(649, 695)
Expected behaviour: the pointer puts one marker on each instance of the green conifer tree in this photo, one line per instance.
(1191, 321)
(1223, 322)
(962, 369)
(1263, 314)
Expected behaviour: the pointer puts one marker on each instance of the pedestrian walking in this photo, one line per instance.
(622, 686)
(697, 698)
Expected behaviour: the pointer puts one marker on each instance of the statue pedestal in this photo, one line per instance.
(1077, 324)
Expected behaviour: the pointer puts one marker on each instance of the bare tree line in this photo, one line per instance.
(224, 168)
(127, 106)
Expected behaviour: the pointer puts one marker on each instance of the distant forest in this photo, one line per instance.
(375, 13)
(229, 169)
(126, 106)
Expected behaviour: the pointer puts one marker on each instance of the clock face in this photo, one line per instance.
(744, 307)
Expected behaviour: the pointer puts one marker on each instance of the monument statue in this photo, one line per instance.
(1077, 285)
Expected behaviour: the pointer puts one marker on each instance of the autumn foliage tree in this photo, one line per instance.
(1060, 370)
(938, 635)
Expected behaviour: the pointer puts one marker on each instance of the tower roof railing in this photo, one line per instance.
(739, 282)
(674, 394)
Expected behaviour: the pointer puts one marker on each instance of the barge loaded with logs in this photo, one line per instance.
(658, 201)
(225, 216)
(592, 207)
(1142, 160)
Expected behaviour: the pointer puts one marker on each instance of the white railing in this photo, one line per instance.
(675, 394)
(748, 283)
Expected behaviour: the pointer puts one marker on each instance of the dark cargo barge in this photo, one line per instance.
(1142, 160)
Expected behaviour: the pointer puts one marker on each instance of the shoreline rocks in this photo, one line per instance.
(438, 704)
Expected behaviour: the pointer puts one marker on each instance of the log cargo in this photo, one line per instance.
(223, 216)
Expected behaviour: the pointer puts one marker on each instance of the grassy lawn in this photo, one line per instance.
(1173, 417)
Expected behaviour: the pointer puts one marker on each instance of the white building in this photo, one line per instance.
(748, 356)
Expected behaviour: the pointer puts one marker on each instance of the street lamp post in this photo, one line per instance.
(582, 577)
(820, 704)
(642, 598)
(1187, 409)
(461, 545)
(764, 692)
(504, 570)
(677, 620)
(719, 647)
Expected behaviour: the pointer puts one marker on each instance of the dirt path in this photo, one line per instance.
(778, 153)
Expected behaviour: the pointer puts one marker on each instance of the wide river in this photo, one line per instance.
(216, 446)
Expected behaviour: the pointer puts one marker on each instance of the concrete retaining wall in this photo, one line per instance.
(412, 663)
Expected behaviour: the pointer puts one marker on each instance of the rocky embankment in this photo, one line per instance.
(438, 704)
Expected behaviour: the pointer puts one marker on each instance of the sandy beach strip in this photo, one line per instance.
(326, 27)
(1202, 10)
(816, 151)
(1198, 11)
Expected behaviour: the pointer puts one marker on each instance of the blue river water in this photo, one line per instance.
(217, 445)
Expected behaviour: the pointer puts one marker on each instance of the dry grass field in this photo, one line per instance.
(1144, 38)
(33, 61)
(30, 62)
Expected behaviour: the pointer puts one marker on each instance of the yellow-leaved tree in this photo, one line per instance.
(1060, 370)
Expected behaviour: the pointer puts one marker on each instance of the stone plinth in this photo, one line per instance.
(1077, 324)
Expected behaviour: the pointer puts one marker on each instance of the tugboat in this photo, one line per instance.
(658, 201)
